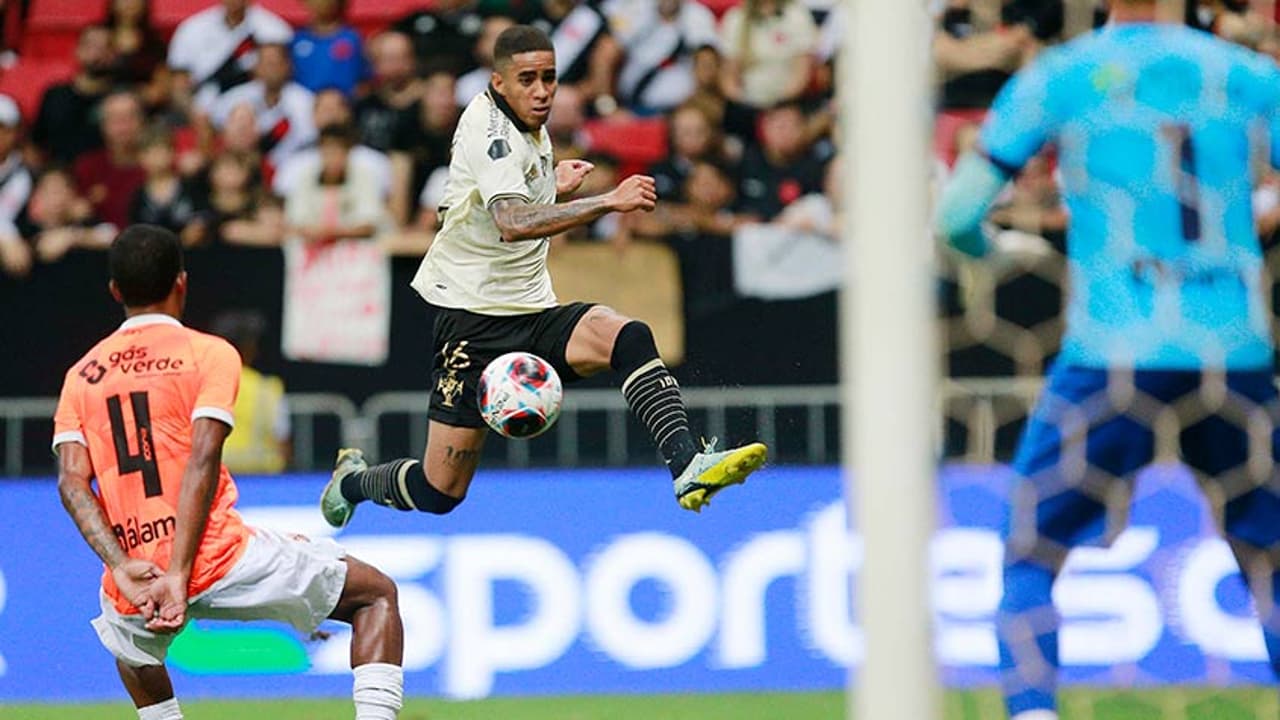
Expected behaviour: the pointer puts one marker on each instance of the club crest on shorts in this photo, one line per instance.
(455, 358)
(450, 387)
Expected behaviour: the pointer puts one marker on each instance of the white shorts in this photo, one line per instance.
(287, 578)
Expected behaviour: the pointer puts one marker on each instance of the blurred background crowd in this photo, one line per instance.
(300, 149)
(224, 125)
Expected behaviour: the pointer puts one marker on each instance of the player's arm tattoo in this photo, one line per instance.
(461, 457)
(199, 486)
(518, 219)
(75, 473)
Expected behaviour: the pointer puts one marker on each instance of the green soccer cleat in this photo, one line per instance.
(336, 509)
(710, 472)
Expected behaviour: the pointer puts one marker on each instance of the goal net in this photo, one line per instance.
(1139, 496)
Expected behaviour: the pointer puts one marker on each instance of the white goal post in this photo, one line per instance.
(888, 350)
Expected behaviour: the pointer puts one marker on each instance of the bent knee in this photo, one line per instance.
(386, 590)
(380, 591)
(367, 584)
(604, 323)
(604, 313)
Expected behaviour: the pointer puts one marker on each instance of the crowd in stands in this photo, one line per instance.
(302, 127)
(237, 127)
(299, 149)
(234, 123)
(287, 137)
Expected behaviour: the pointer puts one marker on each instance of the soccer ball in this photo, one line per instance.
(520, 395)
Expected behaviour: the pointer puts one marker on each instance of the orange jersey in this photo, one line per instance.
(131, 400)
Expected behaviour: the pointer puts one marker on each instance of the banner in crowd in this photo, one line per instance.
(776, 262)
(583, 581)
(337, 302)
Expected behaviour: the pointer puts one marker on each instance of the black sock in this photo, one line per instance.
(653, 395)
(400, 484)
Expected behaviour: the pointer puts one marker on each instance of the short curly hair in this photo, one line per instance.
(519, 39)
(144, 262)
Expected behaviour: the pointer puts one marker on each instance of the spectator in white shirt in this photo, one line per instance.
(587, 54)
(338, 201)
(659, 40)
(216, 47)
(331, 109)
(768, 47)
(15, 190)
(283, 108)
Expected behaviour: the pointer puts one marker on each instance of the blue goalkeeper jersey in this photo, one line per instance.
(1160, 131)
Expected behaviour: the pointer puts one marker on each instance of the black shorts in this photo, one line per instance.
(466, 342)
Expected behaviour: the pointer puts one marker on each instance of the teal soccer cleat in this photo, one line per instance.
(335, 508)
(710, 472)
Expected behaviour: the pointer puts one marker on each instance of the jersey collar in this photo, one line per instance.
(149, 319)
(502, 104)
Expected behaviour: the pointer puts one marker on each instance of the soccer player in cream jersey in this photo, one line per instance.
(486, 273)
(1157, 128)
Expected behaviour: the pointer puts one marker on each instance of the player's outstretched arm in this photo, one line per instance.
(132, 576)
(517, 219)
(199, 485)
(973, 187)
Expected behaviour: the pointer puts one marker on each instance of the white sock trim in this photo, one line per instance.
(167, 710)
(378, 691)
(652, 364)
(403, 481)
(1036, 715)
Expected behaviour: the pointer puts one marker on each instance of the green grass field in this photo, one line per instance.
(1183, 704)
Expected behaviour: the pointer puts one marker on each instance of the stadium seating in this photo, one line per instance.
(720, 7)
(64, 14)
(636, 143)
(53, 25)
(293, 11)
(26, 82)
(168, 13)
(49, 44)
(367, 16)
(371, 16)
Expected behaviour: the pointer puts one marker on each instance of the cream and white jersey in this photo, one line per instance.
(469, 266)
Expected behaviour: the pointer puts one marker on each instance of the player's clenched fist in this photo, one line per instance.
(570, 174)
(638, 192)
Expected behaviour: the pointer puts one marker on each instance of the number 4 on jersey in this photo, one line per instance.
(144, 460)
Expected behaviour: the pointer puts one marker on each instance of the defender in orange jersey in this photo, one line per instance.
(146, 413)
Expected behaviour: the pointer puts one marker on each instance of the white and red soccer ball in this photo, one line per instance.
(520, 395)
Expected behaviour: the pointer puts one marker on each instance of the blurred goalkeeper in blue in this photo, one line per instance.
(1158, 129)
